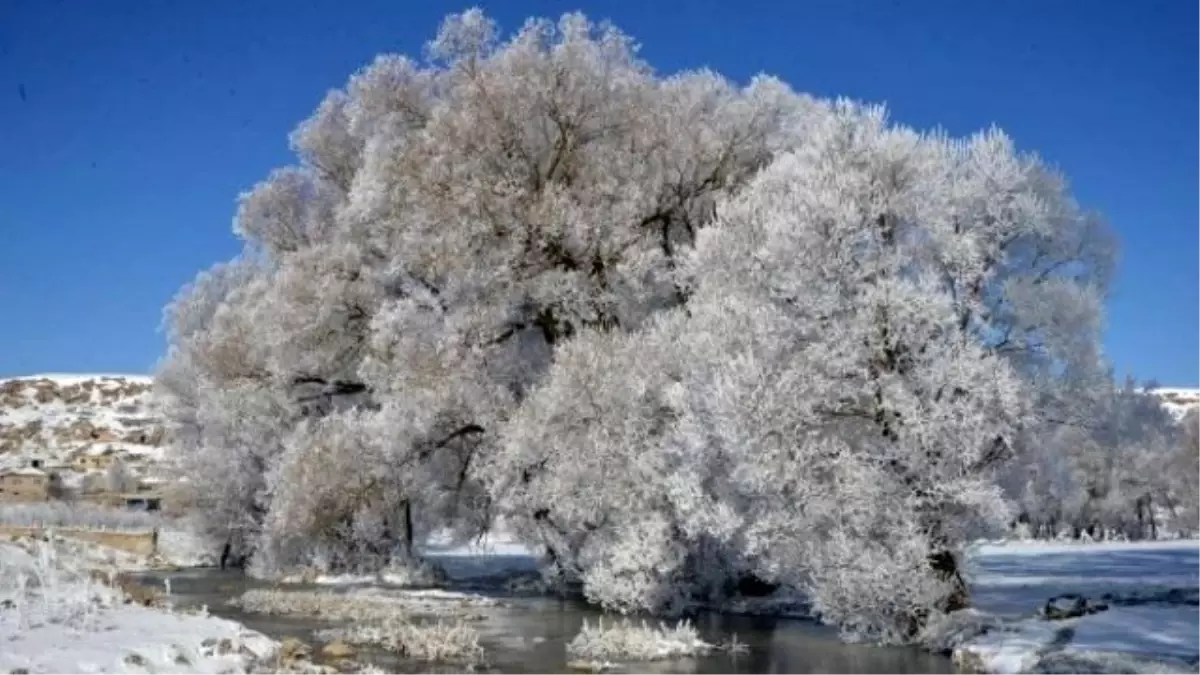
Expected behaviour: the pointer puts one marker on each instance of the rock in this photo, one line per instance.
(247, 653)
(292, 649)
(1070, 606)
(19, 671)
(136, 593)
(338, 650)
(967, 661)
(1064, 607)
(104, 436)
(135, 659)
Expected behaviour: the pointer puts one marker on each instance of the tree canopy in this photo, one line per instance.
(679, 333)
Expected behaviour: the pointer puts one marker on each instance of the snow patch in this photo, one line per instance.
(56, 619)
(1144, 630)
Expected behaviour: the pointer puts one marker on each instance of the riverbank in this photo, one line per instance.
(58, 614)
(519, 629)
(1148, 622)
(1117, 607)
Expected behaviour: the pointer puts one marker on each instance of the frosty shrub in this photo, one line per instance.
(624, 640)
(446, 641)
(42, 588)
(76, 514)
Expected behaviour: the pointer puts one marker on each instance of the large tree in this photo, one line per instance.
(449, 224)
(693, 339)
(870, 321)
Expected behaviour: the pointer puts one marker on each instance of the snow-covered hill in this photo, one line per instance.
(72, 420)
(1179, 401)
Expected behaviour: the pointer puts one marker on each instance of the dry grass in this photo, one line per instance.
(42, 588)
(77, 514)
(335, 607)
(451, 641)
(357, 606)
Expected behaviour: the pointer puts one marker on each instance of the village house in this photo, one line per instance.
(30, 484)
(143, 499)
(96, 458)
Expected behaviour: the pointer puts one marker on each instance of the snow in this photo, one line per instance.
(1178, 400)
(183, 548)
(55, 619)
(499, 541)
(1142, 625)
(124, 635)
(63, 379)
(23, 472)
(1019, 578)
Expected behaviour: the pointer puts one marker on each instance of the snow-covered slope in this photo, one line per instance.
(1179, 401)
(56, 418)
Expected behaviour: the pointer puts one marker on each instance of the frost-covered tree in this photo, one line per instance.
(927, 289)
(449, 223)
(1112, 471)
(692, 339)
(868, 322)
(119, 479)
(1182, 498)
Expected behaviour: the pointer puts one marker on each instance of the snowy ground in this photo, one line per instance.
(1152, 623)
(55, 619)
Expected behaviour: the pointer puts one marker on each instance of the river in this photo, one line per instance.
(530, 634)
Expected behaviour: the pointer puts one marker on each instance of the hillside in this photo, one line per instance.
(72, 420)
(81, 422)
(1179, 401)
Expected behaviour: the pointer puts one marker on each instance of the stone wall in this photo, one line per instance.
(140, 543)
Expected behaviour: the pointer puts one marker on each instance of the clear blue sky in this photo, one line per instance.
(128, 127)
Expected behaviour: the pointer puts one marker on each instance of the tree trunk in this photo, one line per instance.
(408, 528)
(1150, 514)
(945, 565)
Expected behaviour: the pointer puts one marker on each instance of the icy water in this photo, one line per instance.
(530, 634)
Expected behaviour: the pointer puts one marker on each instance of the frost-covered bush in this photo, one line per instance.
(42, 588)
(77, 514)
(624, 640)
(446, 641)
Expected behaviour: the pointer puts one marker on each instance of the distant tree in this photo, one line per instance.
(1183, 494)
(1109, 473)
(117, 478)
